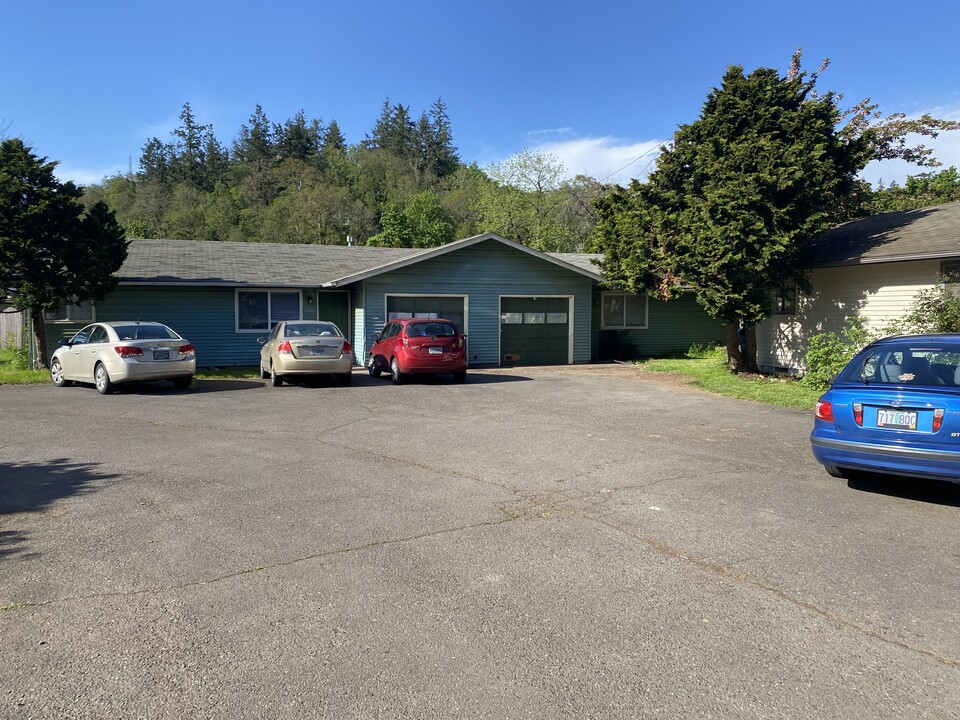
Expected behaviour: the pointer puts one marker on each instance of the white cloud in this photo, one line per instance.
(605, 158)
(86, 176)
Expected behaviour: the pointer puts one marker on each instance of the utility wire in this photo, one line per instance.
(636, 159)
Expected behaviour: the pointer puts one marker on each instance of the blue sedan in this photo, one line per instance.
(895, 409)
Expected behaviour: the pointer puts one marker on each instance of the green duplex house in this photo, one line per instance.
(518, 306)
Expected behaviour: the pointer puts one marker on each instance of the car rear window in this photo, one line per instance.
(431, 329)
(924, 364)
(144, 332)
(321, 329)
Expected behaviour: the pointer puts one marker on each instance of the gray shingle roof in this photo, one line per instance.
(197, 262)
(932, 232)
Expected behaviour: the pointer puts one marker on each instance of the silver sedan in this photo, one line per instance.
(110, 353)
(305, 347)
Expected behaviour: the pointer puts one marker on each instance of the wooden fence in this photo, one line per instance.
(11, 329)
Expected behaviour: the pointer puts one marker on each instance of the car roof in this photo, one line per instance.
(114, 323)
(925, 337)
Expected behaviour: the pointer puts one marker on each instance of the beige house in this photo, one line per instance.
(872, 267)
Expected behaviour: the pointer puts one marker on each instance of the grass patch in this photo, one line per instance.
(707, 369)
(232, 373)
(14, 369)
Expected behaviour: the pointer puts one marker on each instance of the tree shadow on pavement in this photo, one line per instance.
(31, 487)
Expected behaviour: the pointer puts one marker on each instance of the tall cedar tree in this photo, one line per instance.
(51, 251)
(767, 164)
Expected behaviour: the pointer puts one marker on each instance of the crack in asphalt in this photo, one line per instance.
(752, 582)
(255, 569)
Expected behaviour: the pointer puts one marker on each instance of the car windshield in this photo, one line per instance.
(313, 329)
(431, 329)
(905, 363)
(144, 332)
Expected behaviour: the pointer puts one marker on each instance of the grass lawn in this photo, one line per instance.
(708, 370)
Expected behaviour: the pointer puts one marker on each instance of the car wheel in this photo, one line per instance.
(263, 373)
(346, 378)
(835, 471)
(372, 367)
(182, 383)
(102, 380)
(275, 379)
(459, 377)
(395, 373)
(56, 374)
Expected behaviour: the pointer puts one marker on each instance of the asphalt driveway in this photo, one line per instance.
(543, 543)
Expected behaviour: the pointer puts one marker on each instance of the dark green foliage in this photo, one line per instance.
(298, 181)
(829, 352)
(769, 163)
(51, 251)
(918, 192)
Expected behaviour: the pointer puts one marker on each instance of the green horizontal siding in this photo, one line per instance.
(483, 272)
(671, 326)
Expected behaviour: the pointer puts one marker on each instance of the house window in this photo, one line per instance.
(785, 300)
(262, 309)
(70, 312)
(950, 271)
(623, 311)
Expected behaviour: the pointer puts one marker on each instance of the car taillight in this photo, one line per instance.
(824, 410)
(937, 419)
(127, 350)
(186, 349)
(347, 348)
(284, 347)
(857, 413)
(406, 341)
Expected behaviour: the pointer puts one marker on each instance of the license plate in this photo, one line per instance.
(161, 354)
(435, 351)
(900, 419)
(318, 351)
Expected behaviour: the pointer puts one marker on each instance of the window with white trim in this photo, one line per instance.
(950, 271)
(623, 311)
(259, 310)
(70, 312)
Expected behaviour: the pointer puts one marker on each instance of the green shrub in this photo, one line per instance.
(699, 351)
(828, 353)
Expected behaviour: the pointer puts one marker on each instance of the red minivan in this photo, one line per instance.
(410, 346)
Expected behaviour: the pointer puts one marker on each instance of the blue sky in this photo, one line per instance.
(596, 84)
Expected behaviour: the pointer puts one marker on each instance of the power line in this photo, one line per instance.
(636, 159)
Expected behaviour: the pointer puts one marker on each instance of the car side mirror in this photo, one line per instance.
(64, 342)
(375, 338)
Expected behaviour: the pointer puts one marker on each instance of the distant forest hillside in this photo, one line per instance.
(299, 181)
(403, 185)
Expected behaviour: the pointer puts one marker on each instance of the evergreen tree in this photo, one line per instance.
(51, 251)
(764, 167)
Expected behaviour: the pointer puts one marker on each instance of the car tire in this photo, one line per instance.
(834, 471)
(263, 373)
(372, 367)
(182, 383)
(102, 379)
(346, 378)
(459, 377)
(395, 375)
(56, 374)
(275, 379)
